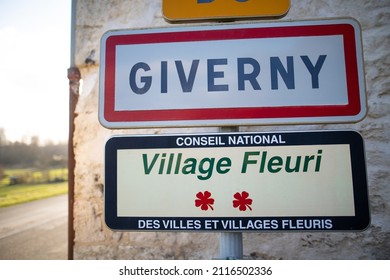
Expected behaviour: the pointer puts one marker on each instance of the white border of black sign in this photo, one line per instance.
(359, 222)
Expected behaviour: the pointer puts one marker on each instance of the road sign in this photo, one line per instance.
(242, 74)
(175, 10)
(287, 181)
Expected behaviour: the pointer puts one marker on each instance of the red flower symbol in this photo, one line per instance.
(204, 201)
(242, 201)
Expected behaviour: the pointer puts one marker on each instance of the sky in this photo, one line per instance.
(34, 58)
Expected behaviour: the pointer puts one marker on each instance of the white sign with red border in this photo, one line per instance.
(240, 74)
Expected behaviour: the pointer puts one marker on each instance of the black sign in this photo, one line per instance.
(280, 181)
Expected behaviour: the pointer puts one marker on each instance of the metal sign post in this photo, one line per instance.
(230, 243)
(230, 246)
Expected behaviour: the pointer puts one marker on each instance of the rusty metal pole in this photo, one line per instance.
(74, 77)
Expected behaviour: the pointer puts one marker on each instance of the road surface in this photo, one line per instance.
(35, 230)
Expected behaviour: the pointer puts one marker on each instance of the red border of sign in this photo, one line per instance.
(346, 30)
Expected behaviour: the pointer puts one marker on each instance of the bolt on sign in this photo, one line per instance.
(240, 74)
(176, 10)
(284, 181)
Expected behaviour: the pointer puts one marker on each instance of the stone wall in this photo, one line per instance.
(93, 240)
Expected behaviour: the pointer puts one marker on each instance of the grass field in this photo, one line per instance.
(11, 195)
(36, 185)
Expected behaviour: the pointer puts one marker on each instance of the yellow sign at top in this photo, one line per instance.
(176, 10)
